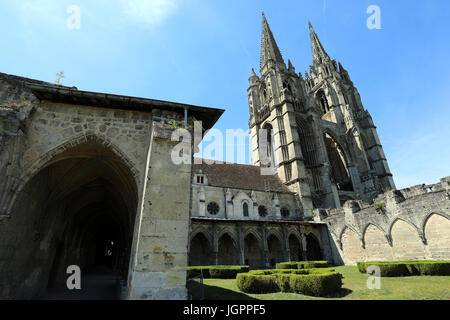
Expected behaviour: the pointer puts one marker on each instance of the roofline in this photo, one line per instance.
(302, 222)
(50, 92)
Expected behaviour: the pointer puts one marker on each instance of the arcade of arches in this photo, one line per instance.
(256, 247)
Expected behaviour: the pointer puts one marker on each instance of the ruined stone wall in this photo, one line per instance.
(407, 224)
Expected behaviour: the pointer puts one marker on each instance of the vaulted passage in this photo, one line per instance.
(78, 210)
(227, 254)
(252, 252)
(295, 248)
(275, 250)
(313, 249)
(200, 251)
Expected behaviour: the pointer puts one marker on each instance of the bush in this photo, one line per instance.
(257, 283)
(408, 268)
(314, 282)
(302, 265)
(219, 272)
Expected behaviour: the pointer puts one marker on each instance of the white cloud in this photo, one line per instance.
(148, 13)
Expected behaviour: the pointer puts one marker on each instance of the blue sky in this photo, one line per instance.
(201, 52)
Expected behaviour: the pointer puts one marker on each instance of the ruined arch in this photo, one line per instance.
(376, 243)
(352, 248)
(436, 229)
(406, 241)
(77, 205)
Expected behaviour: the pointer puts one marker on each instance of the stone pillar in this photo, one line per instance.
(215, 247)
(159, 252)
(265, 255)
(286, 249)
(304, 248)
(241, 245)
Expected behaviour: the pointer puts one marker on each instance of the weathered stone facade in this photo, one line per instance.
(84, 172)
(322, 141)
(407, 224)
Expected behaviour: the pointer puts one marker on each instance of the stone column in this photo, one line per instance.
(240, 236)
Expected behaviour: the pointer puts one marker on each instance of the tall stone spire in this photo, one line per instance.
(318, 52)
(269, 47)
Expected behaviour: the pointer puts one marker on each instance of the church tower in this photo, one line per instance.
(317, 134)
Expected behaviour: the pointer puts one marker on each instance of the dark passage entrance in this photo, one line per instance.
(78, 210)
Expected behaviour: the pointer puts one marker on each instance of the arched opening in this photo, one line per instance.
(270, 147)
(309, 154)
(227, 254)
(245, 209)
(295, 248)
(77, 210)
(323, 102)
(339, 170)
(200, 251)
(252, 252)
(275, 250)
(314, 252)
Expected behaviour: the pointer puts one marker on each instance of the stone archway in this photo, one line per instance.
(227, 254)
(314, 252)
(252, 252)
(79, 209)
(275, 253)
(200, 251)
(295, 248)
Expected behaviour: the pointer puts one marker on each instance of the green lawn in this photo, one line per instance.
(354, 288)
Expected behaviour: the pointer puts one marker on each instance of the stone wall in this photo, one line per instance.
(407, 224)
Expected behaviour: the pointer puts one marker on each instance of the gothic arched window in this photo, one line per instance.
(245, 209)
(338, 163)
(323, 102)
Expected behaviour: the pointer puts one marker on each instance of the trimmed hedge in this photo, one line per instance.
(408, 268)
(302, 265)
(219, 272)
(312, 282)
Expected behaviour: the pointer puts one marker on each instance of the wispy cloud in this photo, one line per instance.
(148, 13)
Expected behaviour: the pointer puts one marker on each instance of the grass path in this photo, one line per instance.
(354, 288)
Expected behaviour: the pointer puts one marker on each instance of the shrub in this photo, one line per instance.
(302, 265)
(220, 272)
(257, 283)
(286, 265)
(408, 268)
(314, 282)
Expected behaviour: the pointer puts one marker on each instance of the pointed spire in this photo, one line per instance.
(269, 47)
(318, 52)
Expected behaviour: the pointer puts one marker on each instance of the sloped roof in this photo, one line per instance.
(240, 176)
(71, 95)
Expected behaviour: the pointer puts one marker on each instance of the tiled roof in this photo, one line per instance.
(240, 176)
